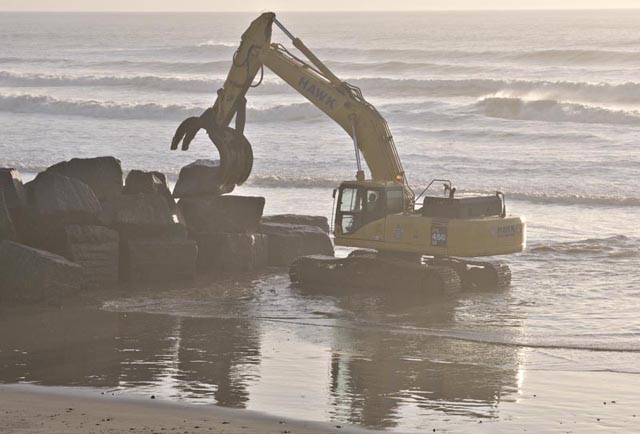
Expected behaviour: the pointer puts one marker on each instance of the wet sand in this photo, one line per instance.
(36, 409)
(255, 351)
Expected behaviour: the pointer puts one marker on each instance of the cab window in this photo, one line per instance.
(351, 200)
(395, 201)
(350, 215)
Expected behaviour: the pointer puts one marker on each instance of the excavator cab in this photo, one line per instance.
(363, 202)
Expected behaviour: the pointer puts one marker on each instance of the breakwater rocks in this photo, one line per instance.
(77, 226)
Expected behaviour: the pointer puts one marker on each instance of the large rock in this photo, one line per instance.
(299, 219)
(143, 216)
(139, 181)
(15, 199)
(96, 249)
(55, 201)
(232, 252)
(231, 214)
(64, 199)
(153, 240)
(200, 178)
(29, 274)
(102, 174)
(289, 241)
(7, 230)
(145, 261)
(15, 193)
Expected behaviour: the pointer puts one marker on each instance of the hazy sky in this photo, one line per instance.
(289, 5)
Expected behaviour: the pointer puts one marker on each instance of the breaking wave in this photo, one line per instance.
(626, 93)
(554, 111)
(577, 57)
(327, 53)
(617, 246)
(549, 57)
(111, 110)
(574, 199)
(140, 82)
(218, 66)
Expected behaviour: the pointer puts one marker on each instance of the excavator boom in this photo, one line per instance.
(339, 100)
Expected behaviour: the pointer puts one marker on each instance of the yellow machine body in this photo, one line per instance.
(443, 226)
(357, 225)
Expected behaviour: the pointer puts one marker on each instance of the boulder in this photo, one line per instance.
(15, 198)
(143, 216)
(144, 261)
(29, 274)
(96, 249)
(200, 178)
(288, 241)
(153, 240)
(7, 230)
(64, 199)
(231, 214)
(139, 181)
(299, 219)
(55, 201)
(231, 252)
(102, 174)
(15, 193)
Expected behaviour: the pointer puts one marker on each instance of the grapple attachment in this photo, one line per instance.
(236, 155)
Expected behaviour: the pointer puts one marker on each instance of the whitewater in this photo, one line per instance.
(544, 106)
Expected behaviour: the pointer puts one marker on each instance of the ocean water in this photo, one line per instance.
(544, 106)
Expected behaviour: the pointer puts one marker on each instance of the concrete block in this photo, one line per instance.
(15, 193)
(299, 219)
(232, 252)
(32, 275)
(200, 178)
(143, 216)
(288, 242)
(102, 174)
(230, 214)
(144, 261)
(55, 201)
(7, 230)
(15, 199)
(139, 181)
(96, 249)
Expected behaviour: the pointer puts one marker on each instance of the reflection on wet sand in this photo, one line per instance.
(200, 359)
(374, 373)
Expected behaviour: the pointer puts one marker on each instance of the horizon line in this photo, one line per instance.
(324, 10)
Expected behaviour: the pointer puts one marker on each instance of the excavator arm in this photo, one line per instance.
(339, 100)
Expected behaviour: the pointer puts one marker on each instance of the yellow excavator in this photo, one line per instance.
(400, 240)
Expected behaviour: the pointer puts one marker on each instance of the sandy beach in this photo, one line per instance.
(81, 368)
(541, 105)
(33, 409)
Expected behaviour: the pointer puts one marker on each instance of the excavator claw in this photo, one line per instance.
(236, 155)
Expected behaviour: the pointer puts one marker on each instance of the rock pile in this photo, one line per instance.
(226, 230)
(231, 233)
(76, 226)
(29, 274)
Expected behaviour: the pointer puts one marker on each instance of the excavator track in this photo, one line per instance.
(444, 280)
(367, 270)
(478, 275)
